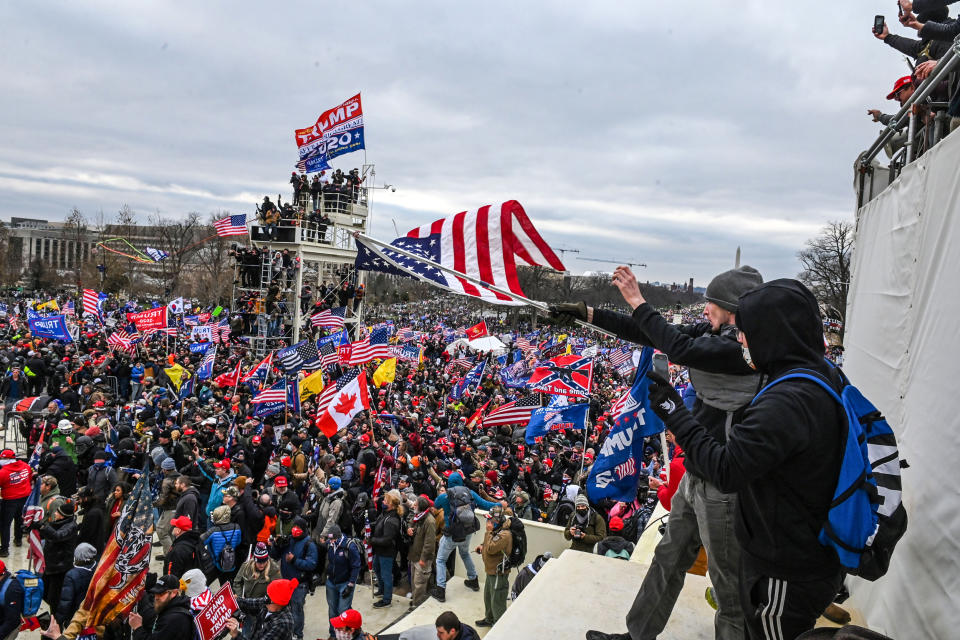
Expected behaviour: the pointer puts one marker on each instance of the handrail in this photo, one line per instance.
(945, 66)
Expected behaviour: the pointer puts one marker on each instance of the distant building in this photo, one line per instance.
(51, 242)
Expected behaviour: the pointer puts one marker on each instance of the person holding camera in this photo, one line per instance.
(496, 547)
(272, 617)
(585, 527)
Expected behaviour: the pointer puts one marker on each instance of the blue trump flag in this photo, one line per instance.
(474, 376)
(338, 339)
(555, 418)
(200, 347)
(616, 472)
(51, 327)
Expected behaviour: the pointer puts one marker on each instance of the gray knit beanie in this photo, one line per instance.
(725, 289)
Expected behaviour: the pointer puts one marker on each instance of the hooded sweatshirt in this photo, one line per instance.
(784, 457)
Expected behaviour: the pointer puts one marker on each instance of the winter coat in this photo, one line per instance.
(64, 469)
(386, 530)
(188, 504)
(594, 532)
(74, 590)
(60, 540)
(218, 537)
(614, 546)
(343, 561)
(174, 622)
(253, 517)
(249, 583)
(12, 605)
(100, 480)
(304, 558)
(496, 544)
(94, 527)
(183, 554)
(423, 547)
(329, 512)
(168, 498)
(783, 459)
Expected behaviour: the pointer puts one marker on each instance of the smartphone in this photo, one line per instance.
(899, 9)
(660, 365)
(878, 24)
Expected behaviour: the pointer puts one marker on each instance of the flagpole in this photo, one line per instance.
(477, 281)
(586, 432)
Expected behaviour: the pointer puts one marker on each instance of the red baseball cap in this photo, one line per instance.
(255, 439)
(183, 522)
(280, 481)
(223, 464)
(285, 461)
(616, 524)
(349, 619)
(900, 84)
(7, 454)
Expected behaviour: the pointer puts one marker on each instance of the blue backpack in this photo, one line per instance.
(32, 591)
(866, 517)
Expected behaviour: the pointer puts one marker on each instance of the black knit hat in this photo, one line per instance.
(725, 289)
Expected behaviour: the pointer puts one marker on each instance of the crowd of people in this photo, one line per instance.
(939, 114)
(293, 516)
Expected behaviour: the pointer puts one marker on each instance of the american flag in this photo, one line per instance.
(231, 225)
(328, 354)
(329, 318)
(513, 412)
(121, 340)
(121, 573)
(330, 391)
(367, 532)
(484, 244)
(70, 309)
(33, 513)
(275, 393)
(205, 370)
(221, 331)
(458, 363)
(524, 345)
(374, 346)
(405, 334)
(618, 356)
(93, 302)
(296, 357)
(170, 331)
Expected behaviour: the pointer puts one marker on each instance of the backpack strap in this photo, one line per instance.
(801, 374)
(3, 589)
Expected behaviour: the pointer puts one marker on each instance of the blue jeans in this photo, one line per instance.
(447, 545)
(296, 608)
(337, 604)
(383, 565)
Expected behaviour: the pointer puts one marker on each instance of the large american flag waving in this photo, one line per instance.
(485, 244)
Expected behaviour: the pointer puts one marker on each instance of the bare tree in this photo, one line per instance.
(215, 266)
(74, 234)
(826, 267)
(180, 239)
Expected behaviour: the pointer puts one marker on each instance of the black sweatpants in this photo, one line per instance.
(776, 609)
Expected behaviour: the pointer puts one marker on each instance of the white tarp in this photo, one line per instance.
(902, 350)
(485, 344)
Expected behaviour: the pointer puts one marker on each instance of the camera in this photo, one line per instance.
(878, 24)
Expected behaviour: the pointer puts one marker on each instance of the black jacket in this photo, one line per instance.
(60, 539)
(94, 526)
(74, 591)
(189, 505)
(183, 554)
(12, 605)
(62, 467)
(175, 622)
(385, 532)
(784, 457)
(252, 521)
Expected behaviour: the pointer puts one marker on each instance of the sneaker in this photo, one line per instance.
(4, 553)
(409, 595)
(600, 635)
(711, 597)
(483, 623)
(440, 593)
(472, 583)
(379, 604)
(377, 593)
(18, 542)
(836, 614)
(160, 557)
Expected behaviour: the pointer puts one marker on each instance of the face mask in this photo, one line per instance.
(343, 634)
(581, 511)
(747, 358)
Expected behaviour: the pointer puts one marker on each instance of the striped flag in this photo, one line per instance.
(329, 318)
(374, 346)
(231, 225)
(405, 334)
(513, 412)
(33, 513)
(618, 356)
(70, 309)
(298, 356)
(119, 577)
(485, 244)
(259, 372)
(328, 354)
(367, 532)
(458, 363)
(120, 339)
(156, 254)
(205, 370)
(93, 303)
(275, 393)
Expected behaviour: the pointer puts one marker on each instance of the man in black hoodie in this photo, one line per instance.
(782, 460)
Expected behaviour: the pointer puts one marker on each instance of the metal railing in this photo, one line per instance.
(904, 156)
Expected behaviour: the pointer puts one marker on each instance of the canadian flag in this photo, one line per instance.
(338, 406)
(477, 330)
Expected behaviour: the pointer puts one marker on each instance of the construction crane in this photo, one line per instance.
(563, 252)
(630, 264)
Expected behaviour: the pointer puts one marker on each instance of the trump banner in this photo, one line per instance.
(53, 327)
(616, 472)
(555, 417)
(149, 319)
(337, 131)
(212, 619)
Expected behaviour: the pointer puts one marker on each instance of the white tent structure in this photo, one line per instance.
(901, 349)
(486, 344)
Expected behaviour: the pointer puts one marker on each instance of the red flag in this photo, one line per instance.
(120, 575)
(230, 378)
(564, 375)
(477, 417)
(339, 402)
(477, 331)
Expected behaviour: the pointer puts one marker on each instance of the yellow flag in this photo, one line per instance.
(49, 304)
(175, 373)
(311, 385)
(385, 373)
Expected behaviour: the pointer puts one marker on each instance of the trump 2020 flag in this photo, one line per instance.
(554, 418)
(616, 472)
(119, 577)
(474, 376)
(50, 327)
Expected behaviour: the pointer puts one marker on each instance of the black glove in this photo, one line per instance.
(346, 591)
(567, 313)
(664, 399)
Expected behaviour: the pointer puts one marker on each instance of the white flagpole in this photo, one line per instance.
(533, 303)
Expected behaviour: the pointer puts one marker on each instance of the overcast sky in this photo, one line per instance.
(666, 134)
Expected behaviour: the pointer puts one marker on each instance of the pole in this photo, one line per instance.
(583, 456)
(533, 303)
(297, 315)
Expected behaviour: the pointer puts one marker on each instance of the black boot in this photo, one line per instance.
(440, 593)
(472, 583)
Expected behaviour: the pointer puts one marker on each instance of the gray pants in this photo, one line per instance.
(700, 514)
(165, 531)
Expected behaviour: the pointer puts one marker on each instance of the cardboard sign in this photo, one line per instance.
(212, 619)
